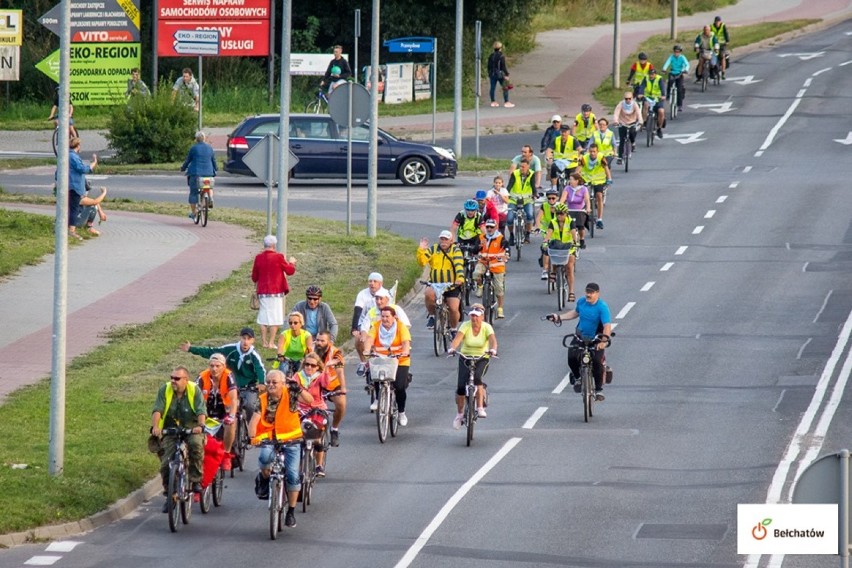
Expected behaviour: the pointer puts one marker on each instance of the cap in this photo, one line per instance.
(717, 19)
(218, 357)
(481, 194)
(555, 118)
(565, 128)
(652, 71)
(491, 223)
(445, 235)
(382, 293)
(593, 287)
(247, 331)
(375, 276)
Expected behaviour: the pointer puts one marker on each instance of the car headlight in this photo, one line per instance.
(444, 153)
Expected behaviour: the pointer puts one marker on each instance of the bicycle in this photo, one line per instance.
(674, 97)
(205, 200)
(211, 493)
(558, 279)
(242, 441)
(593, 218)
(288, 366)
(383, 370)
(308, 456)
(72, 133)
(319, 105)
(470, 414)
(627, 145)
(650, 122)
(469, 266)
(441, 333)
(706, 69)
(178, 491)
(489, 296)
(519, 226)
(277, 493)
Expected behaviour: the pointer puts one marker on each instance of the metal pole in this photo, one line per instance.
(200, 89)
(477, 79)
(434, 86)
(373, 170)
(270, 65)
(349, 164)
(457, 99)
(154, 39)
(616, 47)
(270, 181)
(56, 447)
(357, 37)
(843, 540)
(284, 127)
(674, 19)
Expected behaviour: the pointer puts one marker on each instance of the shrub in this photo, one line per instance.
(151, 129)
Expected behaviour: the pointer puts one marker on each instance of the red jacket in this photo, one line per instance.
(489, 212)
(268, 272)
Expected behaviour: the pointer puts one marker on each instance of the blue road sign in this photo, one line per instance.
(411, 45)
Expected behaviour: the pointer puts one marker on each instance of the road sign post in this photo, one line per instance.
(420, 45)
(264, 162)
(349, 104)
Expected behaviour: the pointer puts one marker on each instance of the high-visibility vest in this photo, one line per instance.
(469, 227)
(719, 32)
(641, 72)
(521, 188)
(652, 88)
(170, 391)
(491, 252)
(547, 213)
(395, 346)
(287, 337)
(585, 128)
(593, 172)
(604, 143)
(564, 235)
(206, 378)
(287, 425)
(563, 149)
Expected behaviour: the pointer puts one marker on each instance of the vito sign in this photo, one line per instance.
(243, 25)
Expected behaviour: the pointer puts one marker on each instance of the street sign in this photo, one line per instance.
(197, 42)
(101, 21)
(99, 71)
(411, 45)
(243, 25)
(258, 158)
(338, 104)
(10, 63)
(11, 27)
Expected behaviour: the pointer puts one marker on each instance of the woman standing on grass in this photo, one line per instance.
(270, 273)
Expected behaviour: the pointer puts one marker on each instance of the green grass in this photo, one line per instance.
(24, 239)
(483, 165)
(110, 390)
(564, 14)
(659, 47)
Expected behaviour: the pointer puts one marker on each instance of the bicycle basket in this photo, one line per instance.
(558, 257)
(207, 183)
(386, 365)
(313, 423)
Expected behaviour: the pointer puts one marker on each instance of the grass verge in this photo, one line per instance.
(110, 390)
(24, 240)
(563, 14)
(659, 47)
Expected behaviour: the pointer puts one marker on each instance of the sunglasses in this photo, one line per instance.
(312, 298)
(174, 378)
(628, 99)
(551, 199)
(306, 365)
(294, 321)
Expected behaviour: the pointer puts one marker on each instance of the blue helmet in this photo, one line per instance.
(481, 194)
(471, 205)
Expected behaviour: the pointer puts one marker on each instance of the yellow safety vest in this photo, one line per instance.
(652, 88)
(604, 143)
(565, 235)
(584, 129)
(641, 73)
(170, 391)
(469, 228)
(564, 149)
(719, 32)
(521, 188)
(594, 173)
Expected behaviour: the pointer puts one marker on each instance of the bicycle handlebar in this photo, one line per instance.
(586, 343)
(177, 431)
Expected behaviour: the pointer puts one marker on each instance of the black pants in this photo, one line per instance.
(598, 366)
(622, 136)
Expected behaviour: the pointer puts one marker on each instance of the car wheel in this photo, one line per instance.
(414, 171)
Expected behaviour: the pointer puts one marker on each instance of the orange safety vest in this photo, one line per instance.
(287, 425)
(334, 379)
(396, 344)
(207, 386)
(492, 253)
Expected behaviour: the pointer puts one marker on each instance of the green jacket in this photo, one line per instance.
(251, 370)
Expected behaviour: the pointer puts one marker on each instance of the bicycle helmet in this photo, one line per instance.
(677, 47)
(313, 291)
(551, 191)
(586, 107)
(481, 194)
(471, 205)
(643, 56)
(561, 208)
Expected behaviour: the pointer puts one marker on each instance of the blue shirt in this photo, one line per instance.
(679, 64)
(200, 161)
(311, 321)
(77, 171)
(592, 317)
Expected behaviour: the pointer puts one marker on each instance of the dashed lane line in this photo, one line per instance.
(566, 380)
(734, 185)
(680, 250)
(530, 423)
(648, 285)
(666, 267)
(721, 199)
(42, 560)
(62, 546)
(709, 214)
(697, 230)
(746, 169)
(624, 311)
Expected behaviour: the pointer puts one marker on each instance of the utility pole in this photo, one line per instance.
(616, 47)
(373, 166)
(284, 128)
(457, 99)
(674, 19)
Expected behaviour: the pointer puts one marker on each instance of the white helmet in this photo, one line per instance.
(555, 118)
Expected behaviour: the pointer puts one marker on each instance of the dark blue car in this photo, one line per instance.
(321, 145)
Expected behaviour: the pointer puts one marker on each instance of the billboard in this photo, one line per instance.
(99, 71)
(399, 83)
(98, 21)
(11, 27)
(243, 25)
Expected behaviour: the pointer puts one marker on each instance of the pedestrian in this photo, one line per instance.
(135, 85)
(269, 272)
(187, 87)
(499, 73)
(77, 170)
(200, 162)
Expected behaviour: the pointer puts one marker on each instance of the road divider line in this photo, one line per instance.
(802, 348)
(566, 380)
(666, 266)
(697, 230)
(845, 63)
(774, 132)
(680, 250)
(734, 185)
(805, 267)
(530, 423)
(648, 285)
(758, 154)
(709, 214)
(808, 82)
(448, 507)
(746, 169)
(627, 307)
(780, 398)
(721, 199)
(824, 304)
(801, 93)
(820, 72)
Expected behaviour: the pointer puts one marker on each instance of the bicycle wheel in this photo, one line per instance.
(274, 507)
(313, 107)
(173, 497)
(437, 334)
(593, 217)
(218, 487)
(204, 208)
(627, 151)
(394, 414)
(560, 288)
(242, 440)
(673, 102)
(185, 502)
(488, 300)
(650, 128)
(55, 141)
(383, 411)
(588, 393)
(470, 414)
(704, 80)
(519, 236)
(206, 501)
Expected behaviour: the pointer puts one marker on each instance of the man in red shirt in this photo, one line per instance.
(270, 273)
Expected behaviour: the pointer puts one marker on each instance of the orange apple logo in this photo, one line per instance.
(759, 531)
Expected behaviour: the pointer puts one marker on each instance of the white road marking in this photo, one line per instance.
(42, 560)
(562, 384)
(733, 185)
(845, 63)
(511, 319)
(746, 169)
(820, 72)
(697, 230)
(62, 546)
(530, 423)
(680, 250)
(647, 286)
(448, 507)
(824, 304)
(805, 267)
(666, 266)
(780, 398)
(774, 132)
(709, 214)
(613, 325)
(758, 154)
(721, 199)
(627, 307)
(802, 348)
(801, 93)
(808, 82)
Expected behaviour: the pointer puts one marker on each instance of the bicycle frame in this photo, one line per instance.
(179, 496)
(470, 413)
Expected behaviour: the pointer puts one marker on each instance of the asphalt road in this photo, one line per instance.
(725, 263)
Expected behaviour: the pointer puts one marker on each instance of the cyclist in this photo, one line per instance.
(278, 420)
(562, 235)
(446, 265)
(200, 162)
(535, 164)
(389, 336)
(188, 410)
(332, 358)
(219, 389)
(576, 197)
(706, 42)
(242, 360)
(638, 71)
(565, 148)
(487, 209)
(521, 194)
(371, 316)
(679, 68)
(720, 30)
(72, 131)
(654, 92)
(313, 378)
(627, 115)
(338, 71)
(318, 315)
(467, 225)
(602, 137)
(546, 213)
(295, 342)
(594, 318)
(596, 172)
(365, 300)
(493, 252)
(474, 338)
(551, 133)
(584, 125)
(500, 198)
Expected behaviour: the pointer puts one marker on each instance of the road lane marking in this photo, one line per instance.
(566, 380)
(808, 82)
(62, 546)
(802, 348)
(627, 307)
(801, 93)
(746, 169)
(734, 185)
(805, 267)
(528, 425)
(710, 213)
(780, 398)
(721, 199)
(680, 250)
(42, 560)
(758, 154)
(774, 132)
(697, 230)
(666, 266)
(647, 286)
(845, 63)
(820, 72)
(824, 304)
(448, 507)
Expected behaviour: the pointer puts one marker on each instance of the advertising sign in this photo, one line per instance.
(310, 63)
(243, 25)
(399, 83)
(422, 81)
(98, 20)
(10, 63)
(99, 71)
(11, 27)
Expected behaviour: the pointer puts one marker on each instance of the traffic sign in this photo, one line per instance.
(11, 27)
(338, 104)
(411, 45)
(112, 21)
(99, 71)
(263, 160)
(197, 42)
